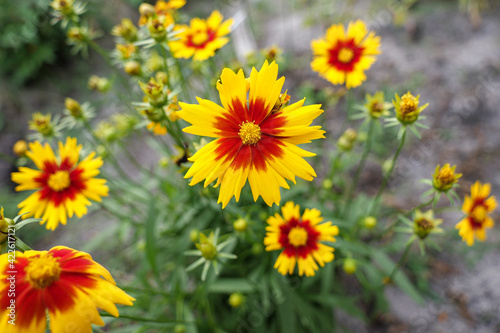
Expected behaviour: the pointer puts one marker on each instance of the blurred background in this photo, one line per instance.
(446, 51)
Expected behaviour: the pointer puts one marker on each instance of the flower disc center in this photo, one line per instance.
(199, 38)
(59, 181)
(479, 213)
(408, 104)
(249, 133)
(345, 55)
(297, 237)
(42, 271)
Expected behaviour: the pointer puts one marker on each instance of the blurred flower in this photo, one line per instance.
(445, 177)
(63, 185)
(252, 142)
(273, 53)
(425, 223)
(202, 38)
(62, 284)
(125, 51)
(161, 8)
(79, 37)
(343, 55)
(347, 140)
(240, 225)
(45, 127)
(132, 68)
(126, 30)
(20, 148)
(100, 84)
(369, 222)
(66, 11)
(76, 113)
(376, 106)
(210, 253)
(299, 238)
(349, 266)
(236, 300)
(477, 207)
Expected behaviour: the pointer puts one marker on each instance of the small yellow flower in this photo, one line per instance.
(477, 207)
(42, 124)
(347, 140)
(425, 223)
(126, 30)
(73, 107)
(369, 222)
(155, 92)
(236, 300)
(100, 84)
(240, 225)
(349, 266)
(300, 239)
(445, 177)
(126, 51)
(407, 108)
(202, 38)
(160, 9)
(376, 105)
(158, 27)
(132, 68)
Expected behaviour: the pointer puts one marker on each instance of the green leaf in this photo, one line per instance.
(151, 238)
(346, 303)
(26, 222)
(228, 286)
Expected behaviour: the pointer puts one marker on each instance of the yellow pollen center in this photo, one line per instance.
(59, 181)
(200, 38)
(42, 271)
(479, 213)
(345, 55)
(297, 236)
(408, 104)
(249, 133)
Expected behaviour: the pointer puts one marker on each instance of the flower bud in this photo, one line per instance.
(369, 222)
(5, 223)
(236, 300)
(194, 235)
(20, 148)
(132, 67)
(349, 266)
(346, 140)
(407, 109)
(73, 107)
(444, 178)
(146, 9)
(42, 124)
(240, 225)
(327, 184)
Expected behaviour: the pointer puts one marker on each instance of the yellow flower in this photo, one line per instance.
(477, 207)
(63, 284)
(425, 223)
(42, 124)
(445, 177)
(157, 128)
(161, 8)
(202, 38)
(64, 185)
(20, 148)
(126, 51)
(299, 238)
(126, 30)
(343, 55)
(252, 142)
(376, 105)
(407, 109)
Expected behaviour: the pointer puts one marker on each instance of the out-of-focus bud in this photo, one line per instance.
(369, 222)
(126, 30)
(5, 223)
(240, 225)
(100, 84)
(77, 34)
(194, 235)
(206, 246)
(350, 266)
(20, 148)
(236, 300)
(346, 140)
(327, 184)
(42, 124)
(73, 107)
(146, 9)
(132, 67)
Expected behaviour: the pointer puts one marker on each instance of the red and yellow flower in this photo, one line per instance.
(300, 239)
(477, 207)
(64, 185)
(202, 38)
(64, 283)
(343, 55)
(253, 141)
(161, 9)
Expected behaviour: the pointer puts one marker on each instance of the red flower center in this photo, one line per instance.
(199, 39)
(345, 55)
(298, 238)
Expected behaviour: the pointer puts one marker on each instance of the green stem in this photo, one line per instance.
(361, 166)
(401, 261)
(387, 176)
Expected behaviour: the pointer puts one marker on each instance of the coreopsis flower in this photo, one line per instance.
(425, 223)
(300, 239)
(66, 11)
(66, 284)
(63, 185)
(20, 148)
(444, 178)
(376, 106)
(76, 113)
(126, 30)
(44, 126)
(343, 55)
(201, 38)
(407, 108)
(477, 207)
(161, 8)
(253, 142)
